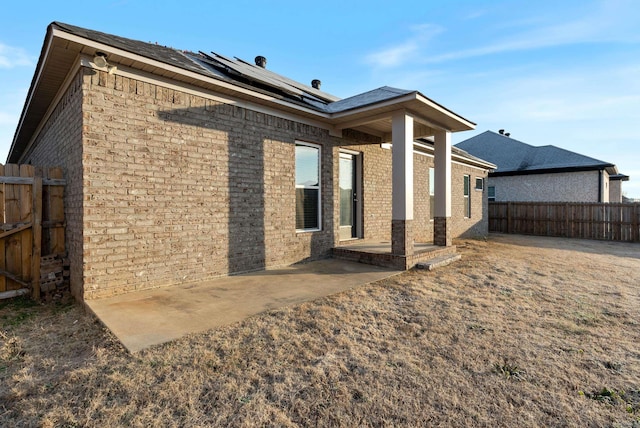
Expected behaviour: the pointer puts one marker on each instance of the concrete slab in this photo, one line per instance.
(439, 262)
(144, 318)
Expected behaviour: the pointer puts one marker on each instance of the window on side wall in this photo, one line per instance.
(467, 196)
(491, 193)
(308, 198)
(432, 194)
(479, 183)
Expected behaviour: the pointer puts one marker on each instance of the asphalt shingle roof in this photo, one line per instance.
(239, 72)
(513, 156)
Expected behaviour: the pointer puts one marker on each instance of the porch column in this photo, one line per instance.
(402, 184)
(442, 182)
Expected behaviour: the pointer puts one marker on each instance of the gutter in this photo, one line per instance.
(548, 170)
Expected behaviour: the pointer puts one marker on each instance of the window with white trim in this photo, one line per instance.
(479, 183)
(308, 198)
(491, 193)
(467, 196)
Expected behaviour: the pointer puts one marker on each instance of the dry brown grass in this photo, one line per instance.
(521, 332)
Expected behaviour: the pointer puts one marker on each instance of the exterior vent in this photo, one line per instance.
(261, 61)
(501, 131)
(316, 83)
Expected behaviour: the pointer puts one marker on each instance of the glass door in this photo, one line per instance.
(348, 196)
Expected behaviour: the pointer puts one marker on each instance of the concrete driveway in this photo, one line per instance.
(144, 318)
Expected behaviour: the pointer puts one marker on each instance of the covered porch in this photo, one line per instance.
(398, 118)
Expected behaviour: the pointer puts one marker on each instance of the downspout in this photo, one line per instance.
(600, 186)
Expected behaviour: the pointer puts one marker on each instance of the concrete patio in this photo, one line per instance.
(145, 318)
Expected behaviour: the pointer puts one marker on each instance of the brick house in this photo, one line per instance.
(528, 173)
(184, 166)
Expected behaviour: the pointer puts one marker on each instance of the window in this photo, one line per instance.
(479, 183)
(467, 196)
(307, 187)
(491, 191)
(432, 194)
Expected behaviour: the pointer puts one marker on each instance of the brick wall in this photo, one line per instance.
(560, 187)
(422, 221)
(376, 178)
(180, 188)
(60, 144)
(377, 196)
(478, 223)
(615, 191)
(183, 188)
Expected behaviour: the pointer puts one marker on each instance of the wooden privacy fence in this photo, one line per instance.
(32, 247)
(607, 221)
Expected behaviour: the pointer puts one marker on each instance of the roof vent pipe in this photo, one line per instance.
(316, 83)
(261, 61)
(506, 134)
(501, 131)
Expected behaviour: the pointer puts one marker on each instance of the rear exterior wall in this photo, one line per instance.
(183, 188)
(168, 187)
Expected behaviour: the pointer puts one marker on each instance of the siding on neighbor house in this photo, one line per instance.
(605, 186)
(615, 191)
(559, 187)
(60, 144)
(167, 187)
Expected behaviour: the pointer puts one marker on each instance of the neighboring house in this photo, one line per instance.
(184, 166)
(543, 174)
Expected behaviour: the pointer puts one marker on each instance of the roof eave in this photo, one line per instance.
(413, 103)
(464, 157)
(11, 157)
(548, 170)
(424, 109)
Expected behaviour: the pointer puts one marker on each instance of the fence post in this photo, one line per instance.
(37, 237)
(508, 217)
(635, 233)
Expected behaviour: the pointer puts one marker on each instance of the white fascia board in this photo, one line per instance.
(444, 110)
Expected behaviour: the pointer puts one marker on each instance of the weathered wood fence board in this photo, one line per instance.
(32, 218)
(604, 221)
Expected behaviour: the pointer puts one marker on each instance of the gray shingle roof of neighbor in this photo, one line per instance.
(456, 151)
(514, 157)
(238, 71)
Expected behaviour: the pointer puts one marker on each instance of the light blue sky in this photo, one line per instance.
(565, 72)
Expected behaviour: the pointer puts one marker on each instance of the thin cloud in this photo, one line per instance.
(7, 118)
(612, 22)
(13, 57)
(406, 51)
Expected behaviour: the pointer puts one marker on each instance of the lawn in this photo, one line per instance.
(522, 332)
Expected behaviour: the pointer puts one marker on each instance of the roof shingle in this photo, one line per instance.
(515, 157)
